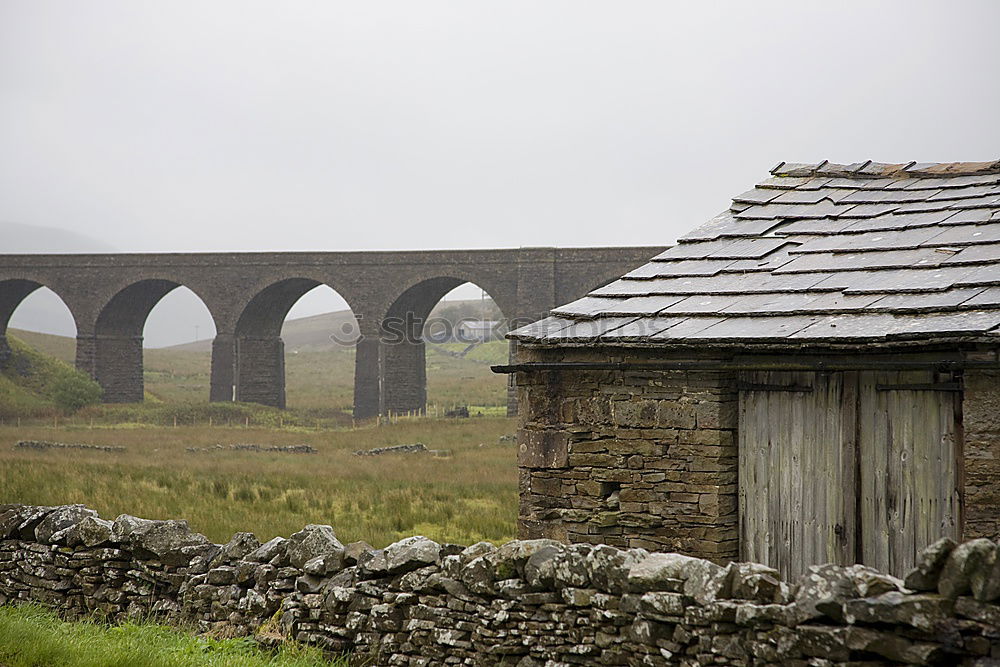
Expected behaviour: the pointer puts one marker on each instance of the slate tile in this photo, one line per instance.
(922, 206)
(965, 193)
(823, 209)
(541, 328)
(813, 184)
(903, 238)
(909, 280)
(769, 304)
(681, 267)
(836, 301)
(741, 328)
(588, 329)
(783, 182)
(847, 261)
(702, 303)
(951, 298)
(642, 328)
(989, 201)
(642, 305)
(845, 326)
(757, 196)
(869, 210)
(972, 216)
(966, 235)
(588, 306)
(817, 226)
(795, 169)
(989, 252)
(980, 274)
(726, 225)
(749, 248)
(989, 296)
(952, 182)
(800, 196)
(965, 322)
(899, 221)
(684, 330)
(694, 250)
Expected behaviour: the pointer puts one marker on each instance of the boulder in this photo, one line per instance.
(165, 541)
(822, 591)
(124, 525)
(325, 564)
(962, 562)
(930, 561)
(609, 566)
(94, 530)
(236, 548)
(10, 519)
(412, 553)
(706, 582)
(924, 611)
(57, 523)
(268, 551)
(373, 564)
(353, 551)
(665, 572)
(509, 559)
(540, 568)
(313, 540)
(30, 517)
(570, 568)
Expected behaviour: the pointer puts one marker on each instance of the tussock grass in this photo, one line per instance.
(469, 497)
(31, 636)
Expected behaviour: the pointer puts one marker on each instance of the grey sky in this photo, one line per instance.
(330, 125)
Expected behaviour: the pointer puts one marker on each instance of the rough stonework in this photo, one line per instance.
(629, 458)
(525, 603)
(248, 295)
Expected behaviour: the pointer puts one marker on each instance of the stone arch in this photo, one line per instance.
(117, 355)
(402, 361)
(258, 352)
(13, 293)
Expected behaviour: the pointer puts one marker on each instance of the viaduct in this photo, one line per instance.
(249, 294)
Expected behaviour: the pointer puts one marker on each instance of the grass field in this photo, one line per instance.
(31, 636)
(468, 497)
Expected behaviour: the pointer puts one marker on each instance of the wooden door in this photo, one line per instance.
(796, 469)
(909, 448)
(847, 467)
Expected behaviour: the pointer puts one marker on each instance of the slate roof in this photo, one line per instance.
(816, 253)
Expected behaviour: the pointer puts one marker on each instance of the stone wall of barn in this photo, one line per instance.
(981, 426)
(628, 458)
(528, 603)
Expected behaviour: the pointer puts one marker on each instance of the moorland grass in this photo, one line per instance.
(468, 497)
(31, 636)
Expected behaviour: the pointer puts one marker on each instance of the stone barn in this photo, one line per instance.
(811, 376)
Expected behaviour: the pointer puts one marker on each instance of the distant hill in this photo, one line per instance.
(317, 331)
(30, 378)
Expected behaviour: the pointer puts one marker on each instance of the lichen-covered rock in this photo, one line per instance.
(166, 541)
(412, 553)
(608, 567)
(124, 525)
(30, 516)
(924, 611)
(930, 561)
(236, 548)
(325, 564)
(268, 551)
(509, 559)
(665, 572)
(56, 527)
(353, 551)
(540, 568)
(313, 540)
(956, 575)
(94, 531)
(10, 519)
(823, 590)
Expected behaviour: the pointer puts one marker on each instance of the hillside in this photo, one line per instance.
(31, 380)
(319, 372)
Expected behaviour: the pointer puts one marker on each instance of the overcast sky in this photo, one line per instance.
(236, 125)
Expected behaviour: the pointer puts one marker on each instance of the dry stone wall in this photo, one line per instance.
(532, 602)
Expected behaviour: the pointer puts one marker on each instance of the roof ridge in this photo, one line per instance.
(869, 169)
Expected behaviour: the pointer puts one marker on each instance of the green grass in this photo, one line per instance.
(468, 497)
(31, 636)
(28, 379)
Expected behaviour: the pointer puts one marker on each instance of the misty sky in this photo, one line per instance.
(235, 125)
